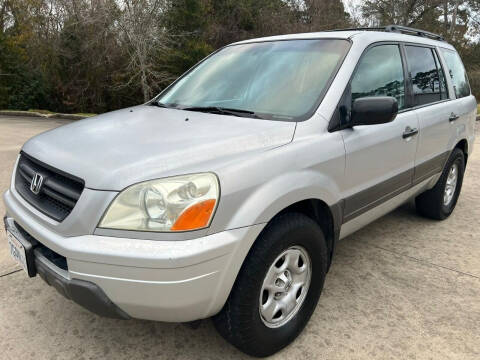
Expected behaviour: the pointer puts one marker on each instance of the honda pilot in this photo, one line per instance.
(226, 194)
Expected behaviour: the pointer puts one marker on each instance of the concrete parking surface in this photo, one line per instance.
(402, 288)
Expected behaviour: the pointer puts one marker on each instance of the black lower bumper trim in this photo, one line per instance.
(84, 293)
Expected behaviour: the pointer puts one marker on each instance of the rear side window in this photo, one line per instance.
(380, 73)
(427, 77)
(457, 73)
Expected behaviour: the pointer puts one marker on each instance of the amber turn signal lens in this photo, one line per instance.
(195, 217)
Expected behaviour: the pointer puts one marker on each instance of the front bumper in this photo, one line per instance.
(175, 281)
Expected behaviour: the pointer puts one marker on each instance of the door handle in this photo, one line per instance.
(453, 117)
(409, 132)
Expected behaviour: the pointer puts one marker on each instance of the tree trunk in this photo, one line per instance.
(2, 16)
(445, 17)
(145, 89)
(143, 76)
(454, 19)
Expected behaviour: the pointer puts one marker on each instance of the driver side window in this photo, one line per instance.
(380, 73)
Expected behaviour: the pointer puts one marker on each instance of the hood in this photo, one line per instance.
(120, 148)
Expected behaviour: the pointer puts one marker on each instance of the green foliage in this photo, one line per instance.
(20, 86)
(188, 20)
(187, 16)
(187, 54)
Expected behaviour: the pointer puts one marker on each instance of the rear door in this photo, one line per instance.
(433, 108)
(379, 158)
(463, 105)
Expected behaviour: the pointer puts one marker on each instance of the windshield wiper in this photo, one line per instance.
(223, 111)
(162, 105)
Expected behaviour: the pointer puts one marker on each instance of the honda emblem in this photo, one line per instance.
(36, 184)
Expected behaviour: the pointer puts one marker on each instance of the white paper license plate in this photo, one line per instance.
(17, 251)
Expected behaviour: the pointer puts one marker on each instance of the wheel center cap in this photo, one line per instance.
(284, 280)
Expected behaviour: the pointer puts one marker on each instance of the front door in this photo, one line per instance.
(380, 159)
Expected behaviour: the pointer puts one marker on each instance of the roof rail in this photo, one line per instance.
(413, 31)
(358, 29)
(398, 29)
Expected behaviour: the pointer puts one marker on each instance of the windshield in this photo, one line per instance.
(282, 80)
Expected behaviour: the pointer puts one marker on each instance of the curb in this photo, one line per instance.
(68, 116)
(45, 116)
(21, 113)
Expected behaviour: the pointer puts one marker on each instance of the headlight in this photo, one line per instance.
(179, 203)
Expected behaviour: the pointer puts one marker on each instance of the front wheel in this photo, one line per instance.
(277, 288)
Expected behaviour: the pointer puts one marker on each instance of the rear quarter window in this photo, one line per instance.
(457, 73)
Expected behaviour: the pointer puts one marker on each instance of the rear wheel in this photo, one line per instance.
(438, 203)
(277, 288)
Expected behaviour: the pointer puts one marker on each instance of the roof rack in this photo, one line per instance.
(413, 31)
(398, 29)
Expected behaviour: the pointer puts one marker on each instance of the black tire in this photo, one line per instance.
(239, 321)
(430, 203)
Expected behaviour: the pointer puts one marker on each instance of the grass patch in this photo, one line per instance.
(85, 114)
(45, 112)
(48, 112)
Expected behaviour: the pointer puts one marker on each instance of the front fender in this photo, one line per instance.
(277, 194)
(253, 191)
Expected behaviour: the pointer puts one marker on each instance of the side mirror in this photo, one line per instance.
(374, 110)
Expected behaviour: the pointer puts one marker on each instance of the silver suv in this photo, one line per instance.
(225, 195)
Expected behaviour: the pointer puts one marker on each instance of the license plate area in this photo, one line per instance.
(21, 251)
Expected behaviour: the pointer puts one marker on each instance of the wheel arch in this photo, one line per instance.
(327, 217)
(463, 145)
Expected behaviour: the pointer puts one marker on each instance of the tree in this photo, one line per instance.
(457, 20)
(186, 21)
(447, 17)
(400, 12)
(145, 40)
(21, 85)
(100, 55)
(325, 15)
